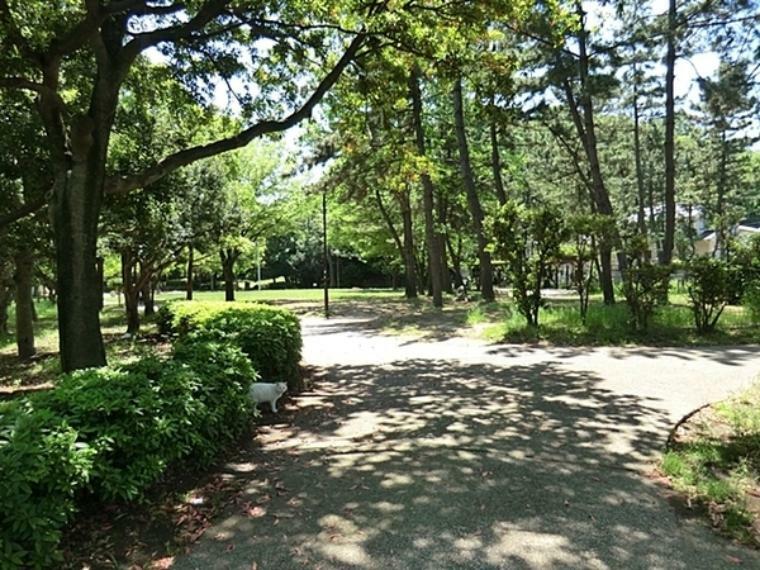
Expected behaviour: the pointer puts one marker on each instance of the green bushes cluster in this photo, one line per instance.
(709, 291)
(109, 433)
(269, 336)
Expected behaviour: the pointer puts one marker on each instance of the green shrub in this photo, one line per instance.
(112, 432)
(528, 240)
(270, 337)
(744, 266)
(43, 465)
(709, 291)
(645, 284)
(751, 300)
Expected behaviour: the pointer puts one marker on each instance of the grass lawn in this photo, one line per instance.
(41, 370)
(715, 461)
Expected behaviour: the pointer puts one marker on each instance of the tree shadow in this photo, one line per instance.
(433, 464)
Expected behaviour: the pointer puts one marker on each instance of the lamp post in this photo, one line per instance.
(325, 264)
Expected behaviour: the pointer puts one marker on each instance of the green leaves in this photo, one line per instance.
(269, 337)
(112, 432)
(528, 241)
(709, 291)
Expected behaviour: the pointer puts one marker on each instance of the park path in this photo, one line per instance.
(453, 453)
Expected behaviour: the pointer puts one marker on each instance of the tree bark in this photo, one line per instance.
(24, 304)
(76, 220)
(670, 122)
(640, 211)
(131, 291)
(441, 213)
(721, 229)
(228, 259)
(585, 125)
(6, 296)
(432, 236)
(147, 297)
(473, 200)
(190, 273)
(410, 291)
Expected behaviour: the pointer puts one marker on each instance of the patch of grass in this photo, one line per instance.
(716, 462)
(42, 370)
(560, 323)
(287, 295)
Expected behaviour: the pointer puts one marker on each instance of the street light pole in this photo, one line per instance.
(326, 267)
(258, 266)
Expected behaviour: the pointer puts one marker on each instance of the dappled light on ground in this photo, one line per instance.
(453, 455)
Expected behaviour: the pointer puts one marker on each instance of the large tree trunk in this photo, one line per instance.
(24, 304)
(76, 225)
(228, 259)
(432, 236)
(484, 257)
(190, 273)
(670, 122)
(131, 291)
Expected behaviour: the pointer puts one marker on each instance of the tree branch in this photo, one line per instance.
(23, 211)
(116, 185)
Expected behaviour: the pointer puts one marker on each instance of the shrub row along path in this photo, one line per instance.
(452, 453)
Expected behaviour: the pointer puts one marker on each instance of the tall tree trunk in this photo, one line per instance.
(432, 238)
(496, 157)
(670, 126)
(147, 297)
(6, 296)
(456, 259)
(442, 223)
(640, 211)
(721, 229)
(409, 263)
(484, 257)
(405, 248)
(131, 291)
(190, 273)
(228, 259)
(584, 122)
(24, 304)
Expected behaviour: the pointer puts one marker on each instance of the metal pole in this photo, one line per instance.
(325, 268)
(258, 266)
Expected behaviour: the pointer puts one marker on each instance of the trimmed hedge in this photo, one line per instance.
(110, 433)
(269, 336)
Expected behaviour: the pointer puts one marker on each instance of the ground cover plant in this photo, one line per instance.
(714, 460)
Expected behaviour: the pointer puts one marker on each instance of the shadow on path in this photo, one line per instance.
(430, 464)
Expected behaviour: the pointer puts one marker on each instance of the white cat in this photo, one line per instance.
(267, 392)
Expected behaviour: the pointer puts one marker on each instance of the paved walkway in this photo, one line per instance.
(456, 454)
